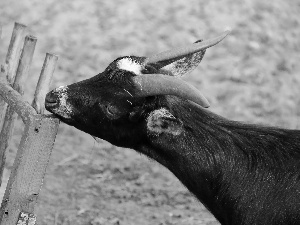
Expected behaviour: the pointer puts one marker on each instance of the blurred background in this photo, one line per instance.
(252, 76)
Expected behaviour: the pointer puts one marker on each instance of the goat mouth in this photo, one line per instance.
(49, 105)
(59, 113)
(58, 105)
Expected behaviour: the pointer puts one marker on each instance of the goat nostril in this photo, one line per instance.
(51, 99)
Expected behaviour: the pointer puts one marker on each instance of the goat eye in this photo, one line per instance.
(111, 110)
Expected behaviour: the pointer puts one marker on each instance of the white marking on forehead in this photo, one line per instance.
(61, 89)
(129, 65)
(65, 109)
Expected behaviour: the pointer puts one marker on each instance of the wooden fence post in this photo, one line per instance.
(31, 160)
(36, 144)
(10, 116)
(29, 168)
(44, 83)
(13, 53)
(12, 59)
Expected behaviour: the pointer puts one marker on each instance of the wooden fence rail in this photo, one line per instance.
(39, 134)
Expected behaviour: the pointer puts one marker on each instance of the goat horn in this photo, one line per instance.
(159, 84)
(180, 52)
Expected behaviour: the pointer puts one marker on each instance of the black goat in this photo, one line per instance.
(244, 174)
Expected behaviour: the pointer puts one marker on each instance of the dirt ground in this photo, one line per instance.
(252, 76)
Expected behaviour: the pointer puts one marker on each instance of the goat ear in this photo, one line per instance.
(162, 121)
(184, 65)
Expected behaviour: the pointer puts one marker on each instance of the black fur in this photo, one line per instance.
(244, 174)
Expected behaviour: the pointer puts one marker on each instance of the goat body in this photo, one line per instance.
(244, 174)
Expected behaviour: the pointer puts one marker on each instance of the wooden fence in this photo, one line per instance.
(39, 134)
